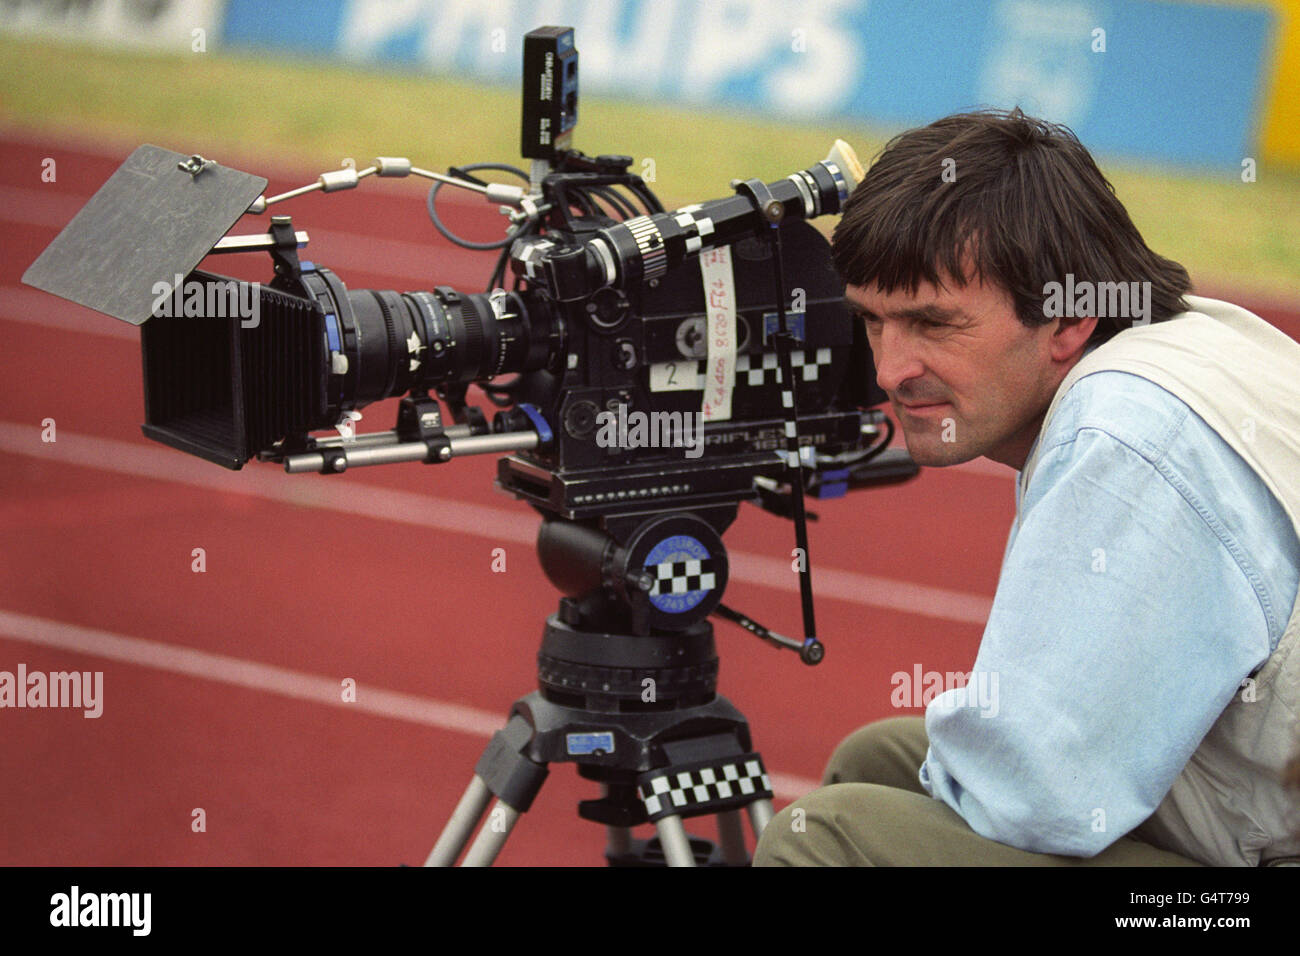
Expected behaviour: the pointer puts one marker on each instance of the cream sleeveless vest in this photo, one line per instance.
(1242, 376)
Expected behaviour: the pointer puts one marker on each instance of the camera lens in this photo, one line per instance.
(394, 342)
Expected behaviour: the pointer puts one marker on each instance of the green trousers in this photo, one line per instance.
(872, 811)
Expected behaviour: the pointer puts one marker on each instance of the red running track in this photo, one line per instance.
(222, 689)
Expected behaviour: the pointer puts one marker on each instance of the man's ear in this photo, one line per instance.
(1071, 335)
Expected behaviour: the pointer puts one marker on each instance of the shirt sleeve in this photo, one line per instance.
(1122, 625)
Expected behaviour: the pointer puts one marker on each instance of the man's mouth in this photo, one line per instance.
(921, 407)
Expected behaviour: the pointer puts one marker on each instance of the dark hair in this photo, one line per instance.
(1021, 196)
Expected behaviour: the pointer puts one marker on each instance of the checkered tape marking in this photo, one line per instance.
(750, 373)
(706, 787)
(682, 577)
(767, 364)
(758, 374)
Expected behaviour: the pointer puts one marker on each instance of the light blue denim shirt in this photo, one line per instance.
(1148, 573)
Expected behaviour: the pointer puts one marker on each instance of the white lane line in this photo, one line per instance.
(268, 678)
(24, 304)
(46, 208)
(400, 260)
(245, 673)
(352, 497)
(282, 171)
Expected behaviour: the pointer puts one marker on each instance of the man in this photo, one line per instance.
(1144, 644)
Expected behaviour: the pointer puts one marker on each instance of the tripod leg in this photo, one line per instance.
(674, 842)
(760, 815)
(618, 841)
(492, 837)
(731, 834)
(456, 833)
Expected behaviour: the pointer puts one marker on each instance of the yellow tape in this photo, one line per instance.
(1279, 128)
(1281, 131)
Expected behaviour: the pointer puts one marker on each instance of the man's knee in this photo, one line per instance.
(775, 848)
(864, 824)
(824, 828)
(888, 752)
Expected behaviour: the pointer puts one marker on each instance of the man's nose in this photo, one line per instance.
(895, 356)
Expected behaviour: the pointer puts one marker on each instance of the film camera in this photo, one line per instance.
(652, 370)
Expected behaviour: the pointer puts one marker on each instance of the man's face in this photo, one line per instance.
(964, 375)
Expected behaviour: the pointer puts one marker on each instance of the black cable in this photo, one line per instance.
(593, 204)
(889, 436)
(614, 199)
(430, 203)
(583, 202)
(647, 197)
(499, 270)
(502, 396)
(631, 206)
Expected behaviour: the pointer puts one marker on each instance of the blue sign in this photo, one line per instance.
(1178, 82)
(596, 742)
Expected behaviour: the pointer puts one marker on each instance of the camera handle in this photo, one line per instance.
(811, 651)
(397, 167)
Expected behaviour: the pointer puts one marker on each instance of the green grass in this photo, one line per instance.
(313, 114)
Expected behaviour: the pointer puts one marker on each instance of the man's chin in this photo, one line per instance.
(937, 454)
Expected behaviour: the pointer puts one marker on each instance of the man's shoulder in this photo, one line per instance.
(1110, 422)
(1130, 409)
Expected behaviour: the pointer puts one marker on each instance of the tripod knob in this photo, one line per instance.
(812, 652)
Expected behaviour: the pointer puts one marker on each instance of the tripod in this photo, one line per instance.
(633, 705)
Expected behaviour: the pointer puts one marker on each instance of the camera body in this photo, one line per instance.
(635, 357)
(640, 356)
